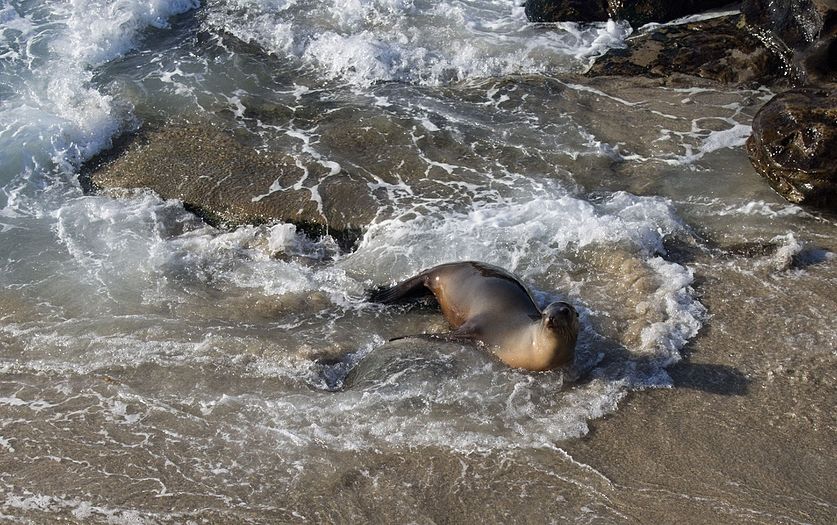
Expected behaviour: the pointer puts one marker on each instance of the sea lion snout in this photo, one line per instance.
(559, 313)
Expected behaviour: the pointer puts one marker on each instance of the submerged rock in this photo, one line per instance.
(715, 49)
(637, 12)
(226, 181)
(412, 362)
(794, 145)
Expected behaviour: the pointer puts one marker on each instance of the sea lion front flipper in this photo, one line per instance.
(411, 289)
(470, 329)
(466, 332)
(451, 337)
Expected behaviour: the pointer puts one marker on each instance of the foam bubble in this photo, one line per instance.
(690, 19)
(99, 31)
(367, 41)
(762, 208)
(540, 228)
(682, 314)
(149, 264)
(791, 252)
(78, 508)
(56, 114)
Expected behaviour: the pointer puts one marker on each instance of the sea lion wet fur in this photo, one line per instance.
(487, 304)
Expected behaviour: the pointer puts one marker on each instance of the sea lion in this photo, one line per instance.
(487, 304)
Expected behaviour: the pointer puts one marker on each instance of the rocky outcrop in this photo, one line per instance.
(566, 10)
(794, 145)
(802, 33)
(797, 22)
(637, 12)
(226, 181)
(715, 49)
(794, 140)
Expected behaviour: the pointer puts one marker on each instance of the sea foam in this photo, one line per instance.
(126, 286)
(368, 41)
(56, 114)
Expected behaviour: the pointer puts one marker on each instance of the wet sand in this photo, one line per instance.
(746, 435)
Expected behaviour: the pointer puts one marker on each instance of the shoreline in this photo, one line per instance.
(177, 309)
(759, 440)
(744, 436)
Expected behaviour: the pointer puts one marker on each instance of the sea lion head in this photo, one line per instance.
(559, 327)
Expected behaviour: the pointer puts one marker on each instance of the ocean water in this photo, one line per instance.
(154, 368)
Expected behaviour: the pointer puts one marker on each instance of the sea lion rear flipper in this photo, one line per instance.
(411, 289)
(465, 332)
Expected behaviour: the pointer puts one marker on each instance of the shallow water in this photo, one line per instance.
(154, 368)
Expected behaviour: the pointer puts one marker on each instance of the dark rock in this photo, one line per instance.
(715, 49)
(637, 12)
(566, 10)
(802, 33)
(794, 145)
(796, 22)
(226, 181)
